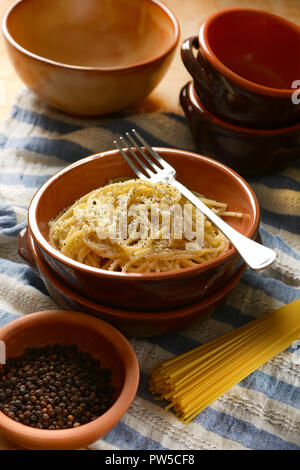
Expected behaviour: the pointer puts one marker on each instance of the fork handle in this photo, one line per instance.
(256, 256)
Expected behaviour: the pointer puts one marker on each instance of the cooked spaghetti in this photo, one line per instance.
(94, 230)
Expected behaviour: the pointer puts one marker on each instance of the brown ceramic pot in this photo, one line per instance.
(245, 66)
(131, 323)
(91, 335)
(250, 152)
(90, 57)
(143, 291)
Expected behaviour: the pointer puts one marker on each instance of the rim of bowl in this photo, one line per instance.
(79, 68)
(112, 415)
(130, 314)
(252, 86)
(45, 245)
(246, 130)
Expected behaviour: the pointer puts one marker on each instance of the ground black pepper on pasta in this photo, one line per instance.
(98, 236)
(54, 387)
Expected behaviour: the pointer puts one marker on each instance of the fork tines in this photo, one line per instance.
(130, 143)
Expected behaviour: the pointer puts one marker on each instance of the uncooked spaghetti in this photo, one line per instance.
(192, 381)
(93, 231)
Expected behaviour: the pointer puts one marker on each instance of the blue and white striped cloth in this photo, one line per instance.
(262, 411)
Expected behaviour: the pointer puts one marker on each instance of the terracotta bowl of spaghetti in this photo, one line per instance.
(131, 323)
(143, 291)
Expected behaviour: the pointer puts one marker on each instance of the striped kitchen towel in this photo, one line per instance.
(262, 411)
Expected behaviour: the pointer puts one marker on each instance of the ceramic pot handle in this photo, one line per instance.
(193, 65)
(24, 250)
(184, 102)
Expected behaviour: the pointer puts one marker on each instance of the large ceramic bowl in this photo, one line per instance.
(250, 152)
(143, 291)
(131, 323)
(90, 57)
(91, 335)
(246, 67)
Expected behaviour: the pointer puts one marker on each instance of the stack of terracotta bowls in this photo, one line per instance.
(243, 105)
(139, 304)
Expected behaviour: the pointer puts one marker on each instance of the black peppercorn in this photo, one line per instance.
(54, 387)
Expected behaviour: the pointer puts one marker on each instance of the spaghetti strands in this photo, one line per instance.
(113, 228)
(192, 381)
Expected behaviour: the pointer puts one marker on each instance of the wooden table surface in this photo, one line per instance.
(189, 13)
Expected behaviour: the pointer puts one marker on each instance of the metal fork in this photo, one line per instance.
(256, 256)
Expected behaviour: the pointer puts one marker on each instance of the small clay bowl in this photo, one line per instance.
(246, 67)
(89, 58)
(143, 291)
(132, 324)
(250, 152)
(103, 342)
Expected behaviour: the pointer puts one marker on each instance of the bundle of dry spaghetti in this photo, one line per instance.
(193, 380)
